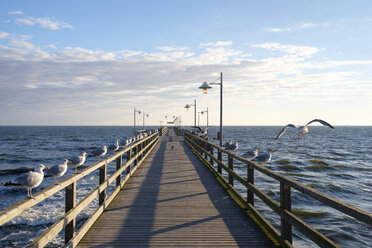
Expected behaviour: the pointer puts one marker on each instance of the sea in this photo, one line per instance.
(337, 162)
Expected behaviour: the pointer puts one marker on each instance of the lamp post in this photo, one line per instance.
(205, 86)
(134, 114)
(206, 111)
(144, 115)
(188, 106)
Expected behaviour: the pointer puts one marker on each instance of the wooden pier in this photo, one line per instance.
(174, 200)
(178, 190)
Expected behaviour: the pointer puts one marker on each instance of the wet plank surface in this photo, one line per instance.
(174, 201)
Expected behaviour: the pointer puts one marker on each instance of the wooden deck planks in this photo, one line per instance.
(174, 201)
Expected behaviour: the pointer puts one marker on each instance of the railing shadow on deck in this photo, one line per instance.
(221, 199)
(205, 151)
(144, 197)
(135, 155)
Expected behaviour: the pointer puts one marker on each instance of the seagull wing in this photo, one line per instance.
(321, 122)
(283, 130)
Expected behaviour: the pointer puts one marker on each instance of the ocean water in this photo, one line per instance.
(337, 162)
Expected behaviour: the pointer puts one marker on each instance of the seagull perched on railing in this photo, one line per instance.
(56, 171)
(29, 180)
(265, 157)
(251, 154)
(227, 144)
(77, 161)
(114, 147)
(99, 152)
(303, 129)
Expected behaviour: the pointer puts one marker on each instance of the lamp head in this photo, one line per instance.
(187, 107)
(205, 86)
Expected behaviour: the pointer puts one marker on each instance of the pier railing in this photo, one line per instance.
(206, 150)
(134, 154)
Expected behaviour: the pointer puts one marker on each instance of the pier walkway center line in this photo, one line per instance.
(174, 200)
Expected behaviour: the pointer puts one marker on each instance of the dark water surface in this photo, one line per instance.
(336, 162)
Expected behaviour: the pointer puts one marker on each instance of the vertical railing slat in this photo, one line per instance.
(70, 203)
(250, 179)
(119, 162)
(102, 179)
(231, 166)
(285, 203)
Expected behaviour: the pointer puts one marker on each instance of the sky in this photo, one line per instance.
(92, 62)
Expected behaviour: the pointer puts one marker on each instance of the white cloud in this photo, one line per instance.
(4, 35)
(171, 48)
(21, 43)
(74, 79)
(16, 12)
(44, 22)
(302, 51)
(308, 25)
(216, 44)
(279, 29)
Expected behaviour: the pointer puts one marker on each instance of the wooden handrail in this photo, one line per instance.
(284, 208)
(67, 221)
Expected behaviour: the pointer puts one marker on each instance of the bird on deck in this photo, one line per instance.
(114, 147)
(252, 153)
(29, 180)
(56, 171)
(303, 129)
(77, 161)
(265, 157)
(99, 152)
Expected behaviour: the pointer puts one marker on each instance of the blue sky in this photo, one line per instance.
(92, 62)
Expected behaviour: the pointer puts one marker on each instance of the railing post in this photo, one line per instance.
(219, 168)
(250, 178)
(285, 203)
(211, 152)
(206, 146)
(102, 179)
(119, 161)
(135, 153)
(70, 203)
(129, 156)
(231, 167)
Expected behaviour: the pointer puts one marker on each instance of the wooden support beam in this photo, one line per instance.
(70, 203)
(231, 167)
(250, 179)
(102, 179)
(119, 162)
(285, 204)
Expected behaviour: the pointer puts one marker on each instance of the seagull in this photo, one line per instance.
(265, 157)
(233, 147)
(303, 129)
(251, 154)
(29, 180)
(114, 147)
(56, 171)
(77, 161)
(227, 144)
(99, 152)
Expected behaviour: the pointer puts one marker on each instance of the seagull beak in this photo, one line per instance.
(47, 167)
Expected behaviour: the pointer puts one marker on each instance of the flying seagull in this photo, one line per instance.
(77, 161)
(265, 157)
(29, 180)
(303, 129)
(56, 171)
